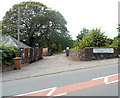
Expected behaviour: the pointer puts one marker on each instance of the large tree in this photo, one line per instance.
(38, 24)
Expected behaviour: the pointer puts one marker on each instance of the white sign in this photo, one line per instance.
(67, 48)
(103, 50)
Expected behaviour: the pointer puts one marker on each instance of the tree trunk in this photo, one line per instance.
(31, 41)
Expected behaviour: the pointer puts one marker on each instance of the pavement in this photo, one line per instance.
(52, 65)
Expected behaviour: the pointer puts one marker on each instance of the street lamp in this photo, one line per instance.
(19, 26)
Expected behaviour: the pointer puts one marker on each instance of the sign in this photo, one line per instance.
(67, 48)
(21, 50)
(103, 50)
(36, 44)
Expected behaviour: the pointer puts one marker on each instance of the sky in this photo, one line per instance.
(79, 14)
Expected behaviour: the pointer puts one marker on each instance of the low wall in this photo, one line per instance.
(74, 54)
(7, 68)
(92, 53)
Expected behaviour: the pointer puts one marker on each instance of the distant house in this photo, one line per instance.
(10, 41)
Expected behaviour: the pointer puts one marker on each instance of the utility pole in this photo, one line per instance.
(19, 26)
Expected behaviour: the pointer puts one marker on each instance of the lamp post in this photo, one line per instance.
(19, 26)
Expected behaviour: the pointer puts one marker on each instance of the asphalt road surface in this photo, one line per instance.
(70, 82)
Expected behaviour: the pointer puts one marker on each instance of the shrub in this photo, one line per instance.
(8, 53)
(94, 38)
(116, 41)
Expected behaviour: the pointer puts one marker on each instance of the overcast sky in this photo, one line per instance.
(79, 13)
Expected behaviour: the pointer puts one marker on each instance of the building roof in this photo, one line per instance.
(10, 41)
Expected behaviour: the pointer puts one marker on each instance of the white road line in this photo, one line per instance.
(112, 75)
(61, 94)
(105, 76)
(54, 88)
(51, 92)
(106, 80)
(98, 78)
(34, 92)
(113, 82)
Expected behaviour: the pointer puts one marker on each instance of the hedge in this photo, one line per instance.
(7, 54)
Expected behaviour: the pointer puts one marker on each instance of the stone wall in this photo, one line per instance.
(74, 54)
(87, 54)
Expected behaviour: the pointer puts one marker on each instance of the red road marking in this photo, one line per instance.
(78, 86)
(113, 78)
(42, 93)
(75, 87)
(37, 93)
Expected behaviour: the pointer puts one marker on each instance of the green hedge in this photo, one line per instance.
(7, 54)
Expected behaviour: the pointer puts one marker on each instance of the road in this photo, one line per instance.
(66, 80)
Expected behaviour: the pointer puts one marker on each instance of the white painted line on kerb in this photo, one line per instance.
(34, 92)
(52, 91)
(61, 94)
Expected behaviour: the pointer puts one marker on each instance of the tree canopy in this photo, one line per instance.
(116, 41)
(82, 34)
(38, 24)
(94, 38)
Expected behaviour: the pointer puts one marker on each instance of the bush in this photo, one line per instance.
(116, 41)
(8, 53)
(94, 38)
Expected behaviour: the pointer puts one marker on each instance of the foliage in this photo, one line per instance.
(94, 38)
(116, 41)
(8, 53)
(38, 24)
(56, 53)
(118, 28)
(82, 34)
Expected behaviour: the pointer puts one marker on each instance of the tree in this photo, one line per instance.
(28, 25)
(116, 41)
(82, 34)
(109, 42)
(38, 24)
(118, 28)
(94, 38)
(1, 43)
